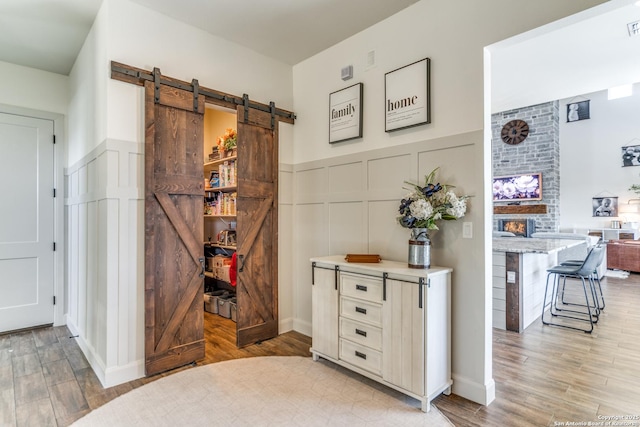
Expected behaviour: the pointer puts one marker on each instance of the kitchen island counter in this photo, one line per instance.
(526, 245)
(519, 277)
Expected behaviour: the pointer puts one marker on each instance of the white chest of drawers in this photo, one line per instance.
(385, 321)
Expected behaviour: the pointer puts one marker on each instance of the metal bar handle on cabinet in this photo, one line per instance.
(361, 355)
(241, 263)
(361, 332)
(201, 267)
(361, 310)
(361, 288)
(420, 285)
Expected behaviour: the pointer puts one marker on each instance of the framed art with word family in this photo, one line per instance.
(345, 114)
(407, 93)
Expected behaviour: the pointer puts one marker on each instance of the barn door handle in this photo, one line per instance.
(241, 262)
(202, 267)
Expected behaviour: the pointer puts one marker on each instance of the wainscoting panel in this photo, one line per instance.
(105, 266)
(389, 173)
(310, 185)
(345, 178)
(347, 234)
(385, 236)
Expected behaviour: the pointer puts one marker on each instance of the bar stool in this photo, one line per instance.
(598, 295)
(584, 272)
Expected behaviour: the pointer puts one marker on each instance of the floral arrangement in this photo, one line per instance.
(228, 141)
(425, 205)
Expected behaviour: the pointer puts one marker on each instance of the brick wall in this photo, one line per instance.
(540, 152)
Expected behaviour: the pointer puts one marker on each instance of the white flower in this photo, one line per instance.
(509, 190)
(421, 209)
(425, 205)
(458, 207)
(497, 187)
(526, 183)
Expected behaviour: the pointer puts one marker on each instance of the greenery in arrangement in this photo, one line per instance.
(427, 204)
(635, 188)
(228, 141)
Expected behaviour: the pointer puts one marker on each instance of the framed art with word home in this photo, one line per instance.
(407, 93)
(345, 114)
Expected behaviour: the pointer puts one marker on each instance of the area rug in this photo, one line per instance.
(263, 391)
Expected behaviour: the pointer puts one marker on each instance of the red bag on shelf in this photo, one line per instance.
(233, 272)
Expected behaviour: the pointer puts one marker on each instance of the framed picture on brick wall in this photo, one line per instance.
(578, 111)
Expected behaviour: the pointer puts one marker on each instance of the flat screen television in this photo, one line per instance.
(515, 188)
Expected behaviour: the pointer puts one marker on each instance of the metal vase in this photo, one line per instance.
(419, 249)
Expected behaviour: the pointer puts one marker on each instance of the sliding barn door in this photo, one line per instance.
(257, 216)
(174, 334)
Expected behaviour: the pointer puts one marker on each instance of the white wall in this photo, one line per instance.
(105, 173)
(30, 88)
(453, 35)
(591, 158)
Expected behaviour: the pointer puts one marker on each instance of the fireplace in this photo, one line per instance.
(520, 227)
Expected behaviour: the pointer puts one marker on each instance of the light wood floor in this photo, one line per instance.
(542, 376)
(550, 374)
(45, 379)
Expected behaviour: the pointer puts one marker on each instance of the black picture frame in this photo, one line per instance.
(630, 155)
(604, 207)
(407, 101)
(345, 113)
(577, 111)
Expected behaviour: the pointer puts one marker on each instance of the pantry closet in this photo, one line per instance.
(174, 216)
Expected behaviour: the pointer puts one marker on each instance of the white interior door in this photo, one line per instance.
(26, 222)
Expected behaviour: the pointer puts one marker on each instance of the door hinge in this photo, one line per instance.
(54, 246)
(54, 300)
(54, 139)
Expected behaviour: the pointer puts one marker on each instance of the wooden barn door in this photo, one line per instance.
(174, 263)
(257, 219)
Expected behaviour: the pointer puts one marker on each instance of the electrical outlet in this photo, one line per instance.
(467, 230)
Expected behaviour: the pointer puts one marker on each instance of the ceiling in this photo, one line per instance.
(586, 52)
(48, 34)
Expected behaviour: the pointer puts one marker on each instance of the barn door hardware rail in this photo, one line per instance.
(138, 76)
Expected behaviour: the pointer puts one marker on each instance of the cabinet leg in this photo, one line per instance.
(447, 391)
(426, 405)
(314, 357)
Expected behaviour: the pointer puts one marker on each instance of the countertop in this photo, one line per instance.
(385, 266)
(526, 245)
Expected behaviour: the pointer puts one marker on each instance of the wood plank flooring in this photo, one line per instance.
(550, 375)
(544, 376)
(45, 379)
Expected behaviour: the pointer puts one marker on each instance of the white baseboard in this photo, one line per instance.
(302, 326)
(122, 374)
(94, 361)
(479, 393)
(285, 325)
(108, 377)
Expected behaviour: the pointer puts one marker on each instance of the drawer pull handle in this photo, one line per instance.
(361, 288)
(360, 332)
(361, 310)
(361, 355)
